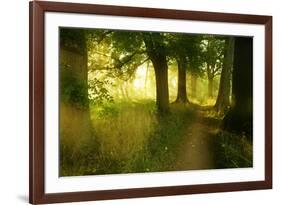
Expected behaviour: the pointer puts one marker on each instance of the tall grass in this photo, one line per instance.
(162, 148)
(127, 137)
(74, 135)
(122, 130)
(233, 151)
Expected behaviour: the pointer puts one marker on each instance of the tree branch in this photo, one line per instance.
(127, 58)
(103, 36)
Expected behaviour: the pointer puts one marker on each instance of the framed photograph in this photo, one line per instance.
(139, 102)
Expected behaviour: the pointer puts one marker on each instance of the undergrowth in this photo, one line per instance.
(127, 137)
(233, 151)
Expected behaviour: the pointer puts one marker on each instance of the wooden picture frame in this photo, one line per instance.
(37, 11)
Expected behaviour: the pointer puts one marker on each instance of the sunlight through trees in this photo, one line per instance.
(130, 100)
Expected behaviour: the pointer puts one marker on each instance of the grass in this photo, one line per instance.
(233, 151)
(162, 148)
(128, 137)
(122, 130)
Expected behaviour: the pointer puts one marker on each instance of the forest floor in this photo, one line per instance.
(197, 150)
(188, 138)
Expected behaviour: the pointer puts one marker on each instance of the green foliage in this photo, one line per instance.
(98, 93)
(126, 41)
(188, 47)
(115, 108)
(120, 52)
(127, 53)
(106, 110)
(212, 55)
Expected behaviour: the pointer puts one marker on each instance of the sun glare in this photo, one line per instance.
(140, 77)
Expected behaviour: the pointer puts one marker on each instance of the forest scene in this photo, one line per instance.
(138, 101)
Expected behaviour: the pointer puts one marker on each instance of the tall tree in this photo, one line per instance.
(156, 51)
(128, 50)
(182, 66)
(225, 79)
(184, 49)
(213, 56)
(240, 116)
(194, 78)
(196, 65)
(74, 104)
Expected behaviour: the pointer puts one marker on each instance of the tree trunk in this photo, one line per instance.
(156, 53)
(181, 96)
(223, 102)
(161, 77)
(194, 85)
(75, 122)
(240, 116)
(210, 87)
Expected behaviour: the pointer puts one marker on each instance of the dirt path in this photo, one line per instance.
(196, 152)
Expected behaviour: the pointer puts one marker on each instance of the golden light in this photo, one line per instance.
(139, 80)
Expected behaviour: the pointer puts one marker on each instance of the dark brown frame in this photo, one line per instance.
(37, 95)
